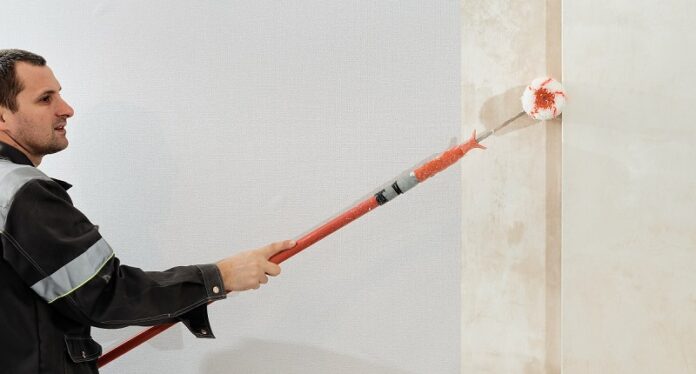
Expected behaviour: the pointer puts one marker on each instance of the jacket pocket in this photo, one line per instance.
(82, 348)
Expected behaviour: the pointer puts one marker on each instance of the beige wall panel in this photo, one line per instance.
(629, 187)
(511, 214)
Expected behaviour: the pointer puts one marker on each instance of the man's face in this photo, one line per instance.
(39, 123)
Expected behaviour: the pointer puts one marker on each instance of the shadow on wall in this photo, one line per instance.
(264, 357)
(500, 108)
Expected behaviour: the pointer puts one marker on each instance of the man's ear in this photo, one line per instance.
(3, 115)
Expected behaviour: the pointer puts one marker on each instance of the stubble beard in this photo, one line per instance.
(42, 146)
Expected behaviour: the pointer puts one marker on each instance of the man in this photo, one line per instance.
(58, 276)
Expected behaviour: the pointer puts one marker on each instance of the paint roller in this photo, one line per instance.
(543, 99)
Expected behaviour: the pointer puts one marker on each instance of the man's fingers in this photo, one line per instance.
(271, 269)
(276, 247)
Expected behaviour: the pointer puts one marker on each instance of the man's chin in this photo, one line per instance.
(55, 148)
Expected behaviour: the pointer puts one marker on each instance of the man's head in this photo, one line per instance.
(33, 115)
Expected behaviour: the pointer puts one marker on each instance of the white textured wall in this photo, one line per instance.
(207, 127)
(629, 187)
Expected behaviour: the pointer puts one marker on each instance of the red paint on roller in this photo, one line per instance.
(543, 99)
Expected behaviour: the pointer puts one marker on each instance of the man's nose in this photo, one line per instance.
(65, 110)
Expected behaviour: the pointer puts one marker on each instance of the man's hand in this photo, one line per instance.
(250, 269)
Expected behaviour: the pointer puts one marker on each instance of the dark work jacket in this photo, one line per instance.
(58, 277)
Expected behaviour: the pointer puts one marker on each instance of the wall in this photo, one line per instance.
(511, 192)
(204, 127)
(629, 190)
(207, 128)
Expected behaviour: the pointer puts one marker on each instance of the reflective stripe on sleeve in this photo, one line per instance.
(12, 178)
(75, 274)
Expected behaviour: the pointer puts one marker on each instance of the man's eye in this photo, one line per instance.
(46, 99)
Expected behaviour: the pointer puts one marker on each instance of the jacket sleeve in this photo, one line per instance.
(60, 254)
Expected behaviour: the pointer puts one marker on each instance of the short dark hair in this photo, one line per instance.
(10, 86)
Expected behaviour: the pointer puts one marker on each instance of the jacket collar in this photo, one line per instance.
(13, 154)
(16, 156)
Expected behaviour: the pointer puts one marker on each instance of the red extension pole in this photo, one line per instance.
(400, 186)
